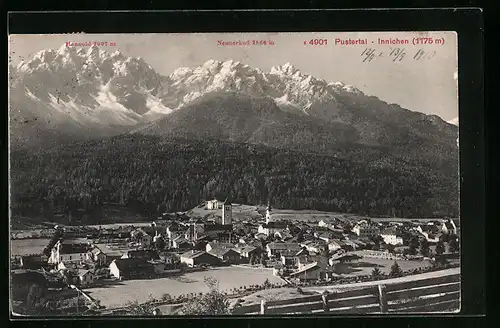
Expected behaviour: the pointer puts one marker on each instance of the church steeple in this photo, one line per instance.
(268, 213)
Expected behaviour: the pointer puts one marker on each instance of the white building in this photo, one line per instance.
(449, 227)
(69, 251)
(392, 237)
(363, 229)
(213, 204)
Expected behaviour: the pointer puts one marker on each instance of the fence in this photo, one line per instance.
(439, 294)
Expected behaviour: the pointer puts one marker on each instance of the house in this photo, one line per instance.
(449, 227)
(288, 259)
(69, 250)
(329, 236)
(323, 223)
(131, 268)
(97, 256)
(248, 251)
(144, 254)
(430, 232)
(213, 229)
(305, 260)
(364, 229)
(215, 245)
(334, 245)
(226, 237)
(314, 246)
(194, 258)
(271, 228)
(275, 249)
(392, 237)
(312, 271)
(181, 243)
(173, 230)
(213, 204)
(85, 278)
(67, 266)
(226, 254)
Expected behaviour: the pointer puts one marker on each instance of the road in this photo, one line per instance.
(433, 274)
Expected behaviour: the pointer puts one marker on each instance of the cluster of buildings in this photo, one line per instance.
(299, 250)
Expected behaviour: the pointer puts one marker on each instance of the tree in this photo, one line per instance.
(453, 246)
(160, 243)
(376, 273)
(211, 303)
(48, 249)
(262, 259)
(424, 247)
(395, 270)
(391, 248)
(439, 248)
(267, 284)
(300, 236)
(412, 246)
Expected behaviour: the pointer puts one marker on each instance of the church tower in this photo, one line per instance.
(227, 213)
(268, 213)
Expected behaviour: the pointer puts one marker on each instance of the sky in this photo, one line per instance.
(424, 80)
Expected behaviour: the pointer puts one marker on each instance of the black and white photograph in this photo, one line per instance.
(244, 174)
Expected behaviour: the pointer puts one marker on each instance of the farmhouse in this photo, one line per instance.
(194, 258)
(131, 268)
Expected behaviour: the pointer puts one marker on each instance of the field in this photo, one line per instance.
(365, 266)
(240, 212)
(119, 293)
(27, 246)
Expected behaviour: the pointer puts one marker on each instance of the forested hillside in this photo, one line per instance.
(154, 174)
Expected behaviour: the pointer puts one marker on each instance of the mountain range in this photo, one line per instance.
(92, 93)
(111, 129)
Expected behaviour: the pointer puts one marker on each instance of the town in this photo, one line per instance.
(246, 248)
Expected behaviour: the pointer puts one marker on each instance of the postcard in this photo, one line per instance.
(241, 174)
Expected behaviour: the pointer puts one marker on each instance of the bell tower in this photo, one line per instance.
(227, 213)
